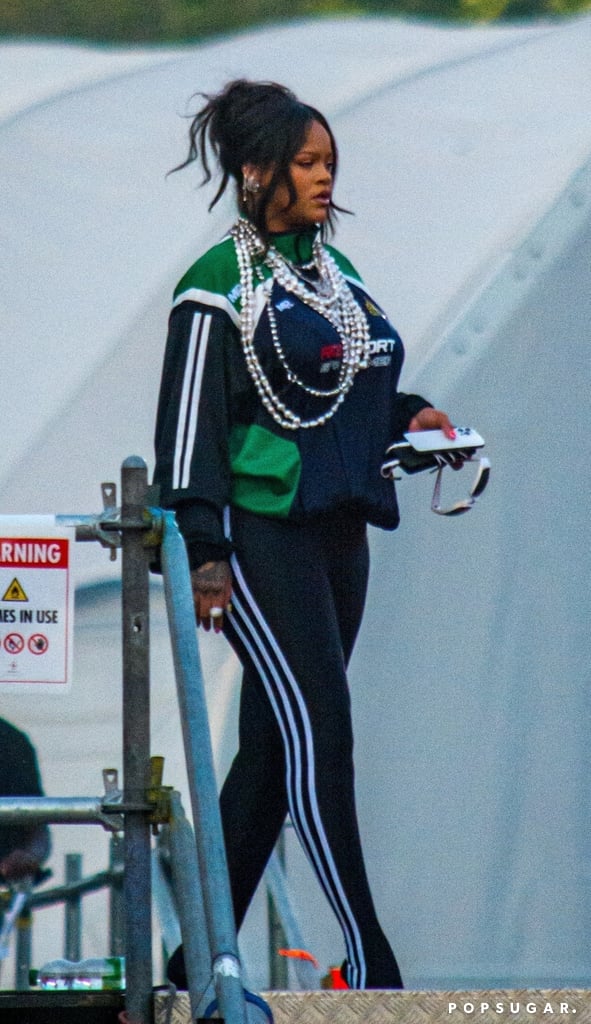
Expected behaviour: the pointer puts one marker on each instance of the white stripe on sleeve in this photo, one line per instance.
(190, 395)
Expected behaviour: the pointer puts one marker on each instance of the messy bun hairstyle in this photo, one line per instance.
(258, 123)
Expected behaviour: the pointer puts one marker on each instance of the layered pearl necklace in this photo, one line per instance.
(332, 299)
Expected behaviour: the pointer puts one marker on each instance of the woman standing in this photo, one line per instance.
(278, 400)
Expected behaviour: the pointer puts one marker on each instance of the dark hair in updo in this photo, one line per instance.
(258, 123)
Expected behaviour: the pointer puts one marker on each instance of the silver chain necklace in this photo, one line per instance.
(333, 300)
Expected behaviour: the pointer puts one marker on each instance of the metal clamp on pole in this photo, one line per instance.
(109, 526)
(158, 796)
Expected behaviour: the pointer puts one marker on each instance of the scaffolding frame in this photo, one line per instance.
(199, 860)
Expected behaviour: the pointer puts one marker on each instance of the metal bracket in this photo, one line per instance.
(156, 806)
(158, 795)
(112, 800)
(109, 522)
(109, 526)
(109, 493)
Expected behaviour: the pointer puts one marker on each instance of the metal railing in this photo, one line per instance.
(24, 902)
(137, 529)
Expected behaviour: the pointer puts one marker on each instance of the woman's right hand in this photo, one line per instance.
(212, 592)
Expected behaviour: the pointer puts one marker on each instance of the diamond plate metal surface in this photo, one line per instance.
(516, 1006)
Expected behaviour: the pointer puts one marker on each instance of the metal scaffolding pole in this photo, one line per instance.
(136, 741)
(191, 911)
(60, 810)
(226, 968)
(73, 909)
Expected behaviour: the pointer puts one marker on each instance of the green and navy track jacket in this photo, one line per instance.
(216, 444)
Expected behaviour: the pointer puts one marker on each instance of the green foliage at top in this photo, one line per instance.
(153, 21)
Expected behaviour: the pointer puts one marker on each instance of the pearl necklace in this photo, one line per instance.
(333, 300)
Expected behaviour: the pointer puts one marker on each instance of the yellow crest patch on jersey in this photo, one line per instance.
(372, 309)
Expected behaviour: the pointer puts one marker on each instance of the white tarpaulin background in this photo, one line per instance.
(465, 158)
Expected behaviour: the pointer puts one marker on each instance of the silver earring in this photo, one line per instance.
(250, 186)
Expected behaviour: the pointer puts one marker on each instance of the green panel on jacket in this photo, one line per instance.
(265, 470)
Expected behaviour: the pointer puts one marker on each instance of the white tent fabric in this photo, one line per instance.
(465, 156)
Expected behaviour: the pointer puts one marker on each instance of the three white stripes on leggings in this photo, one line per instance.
(280, 683)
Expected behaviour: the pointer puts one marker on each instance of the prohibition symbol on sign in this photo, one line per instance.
(14, 643)
(38, 643)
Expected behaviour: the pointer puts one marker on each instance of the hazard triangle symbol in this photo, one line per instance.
(15, 592)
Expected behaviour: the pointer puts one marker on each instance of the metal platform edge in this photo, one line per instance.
(408, 1007)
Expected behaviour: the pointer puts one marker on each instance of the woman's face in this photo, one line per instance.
(312, 176)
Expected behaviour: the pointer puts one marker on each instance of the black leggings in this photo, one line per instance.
(298, 599)
(299, 593)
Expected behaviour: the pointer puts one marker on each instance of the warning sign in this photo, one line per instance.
(36, 606)
(15, 592)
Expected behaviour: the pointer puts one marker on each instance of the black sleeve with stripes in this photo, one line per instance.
(193, 425)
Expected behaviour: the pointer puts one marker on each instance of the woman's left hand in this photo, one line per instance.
(432, 419)
(212, 591)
